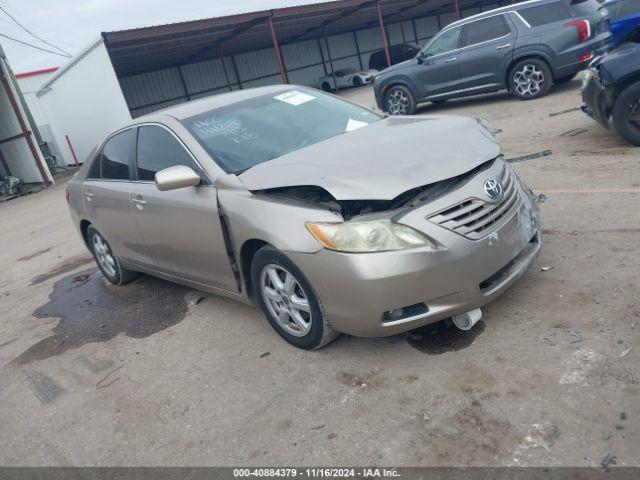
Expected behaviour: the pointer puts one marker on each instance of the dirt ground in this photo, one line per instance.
(145, 374)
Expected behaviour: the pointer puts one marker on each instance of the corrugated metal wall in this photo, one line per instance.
(305, 62)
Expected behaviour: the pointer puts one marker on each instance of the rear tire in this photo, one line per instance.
(288, 301)
(357, 82)
(326, 87)
(106, 260)
(530, 78)
(626, 114)
(400, 101)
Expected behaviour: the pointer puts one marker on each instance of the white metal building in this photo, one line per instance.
(133, 72)
(19, 153)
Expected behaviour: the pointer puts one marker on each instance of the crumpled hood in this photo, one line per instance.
(383, 159)
(620, 63)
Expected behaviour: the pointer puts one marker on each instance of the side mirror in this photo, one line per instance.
(420, 57)
(176, 177)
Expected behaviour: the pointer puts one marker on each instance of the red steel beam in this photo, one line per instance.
(383, 34)
(25, 130)
(274, 39)
(333, 71)
(73, 152)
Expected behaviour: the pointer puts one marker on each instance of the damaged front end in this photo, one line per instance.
(316, 196)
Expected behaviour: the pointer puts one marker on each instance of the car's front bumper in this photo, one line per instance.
(595, 101)
(355, 290)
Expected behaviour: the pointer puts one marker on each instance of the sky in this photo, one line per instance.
(72, 25)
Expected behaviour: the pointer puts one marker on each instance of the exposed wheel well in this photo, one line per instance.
(247, 252)
(84, 228)
(515, 62)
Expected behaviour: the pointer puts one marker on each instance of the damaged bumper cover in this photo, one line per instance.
(596, 98)
(361, 292)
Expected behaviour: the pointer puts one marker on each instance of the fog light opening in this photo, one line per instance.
(404, 312)
(467, 320)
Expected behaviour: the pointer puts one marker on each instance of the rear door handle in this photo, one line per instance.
(88, 196)
(449, 60)
(500, 47)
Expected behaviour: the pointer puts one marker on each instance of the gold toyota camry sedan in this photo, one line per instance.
(326, 215)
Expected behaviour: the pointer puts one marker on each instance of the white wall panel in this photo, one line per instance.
(257, 64)
(301, 54)
(309, 76)
(203, 76)
(85, 102)
(369, 39)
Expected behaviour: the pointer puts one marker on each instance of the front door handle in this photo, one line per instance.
(139, 203)
(449, 60)
(500, 47)
(88, 196)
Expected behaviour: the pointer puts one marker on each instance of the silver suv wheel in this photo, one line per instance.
(398, 102)
(529, 80)
(285, 300)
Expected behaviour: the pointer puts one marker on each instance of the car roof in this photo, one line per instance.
(195, 107)
(509, 8)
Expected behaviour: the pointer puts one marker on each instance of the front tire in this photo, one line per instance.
(288, 301)
(530, 78)
(626, 114)
(400, 101)
(107, 262)
(357, 82)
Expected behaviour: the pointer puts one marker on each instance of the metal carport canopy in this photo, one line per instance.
(153, 48)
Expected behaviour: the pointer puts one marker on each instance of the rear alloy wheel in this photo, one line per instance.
(626, 114)
(530, 78)
(400, 101)
(107, 262)
(288, 301)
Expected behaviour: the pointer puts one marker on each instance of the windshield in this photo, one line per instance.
(244, 134)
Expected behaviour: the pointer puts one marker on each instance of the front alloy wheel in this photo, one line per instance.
(106, 259)
(288, 301)
(400, 101)
(285, 300)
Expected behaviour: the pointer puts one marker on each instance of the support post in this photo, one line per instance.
(333, 70)
(274, 39)
(73, 152)
(184, 84)
(383, 34)
(355, 41)
(457, 5)
(25, 130)
(324, 64)
(225, 71)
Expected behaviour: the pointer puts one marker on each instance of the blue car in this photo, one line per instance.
(625, 18)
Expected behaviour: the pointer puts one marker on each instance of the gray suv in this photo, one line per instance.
(524, 48)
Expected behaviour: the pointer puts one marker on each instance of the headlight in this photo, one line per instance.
(371, 236)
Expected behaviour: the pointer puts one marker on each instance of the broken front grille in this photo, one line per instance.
(475, 218)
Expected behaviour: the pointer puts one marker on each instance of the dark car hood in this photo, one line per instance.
(382, 160)
(620, 63)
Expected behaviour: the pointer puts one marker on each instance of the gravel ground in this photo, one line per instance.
(146, 374)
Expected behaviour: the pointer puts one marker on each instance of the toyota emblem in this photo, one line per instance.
(493, 189)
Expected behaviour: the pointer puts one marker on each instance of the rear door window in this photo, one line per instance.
(545, 14)
(117, 155)
(159, 149)
(445, 42)
(486, 30)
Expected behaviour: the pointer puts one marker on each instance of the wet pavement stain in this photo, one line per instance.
(91, 310)
(443, 337)
(64, 267)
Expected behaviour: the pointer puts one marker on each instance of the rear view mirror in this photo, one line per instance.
(173, 178)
